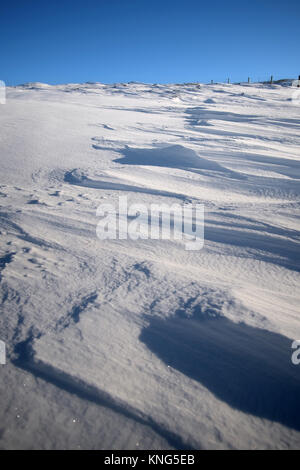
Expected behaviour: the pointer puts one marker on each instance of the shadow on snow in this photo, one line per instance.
(248, 368)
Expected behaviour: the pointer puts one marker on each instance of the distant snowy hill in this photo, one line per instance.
(143, 344)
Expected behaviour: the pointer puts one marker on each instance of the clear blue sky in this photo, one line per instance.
(150, 41)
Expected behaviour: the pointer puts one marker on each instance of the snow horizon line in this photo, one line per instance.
(136, 82)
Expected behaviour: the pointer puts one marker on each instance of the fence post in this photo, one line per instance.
(228, 81)
(271, 81)
(248, 79)
(298, 86)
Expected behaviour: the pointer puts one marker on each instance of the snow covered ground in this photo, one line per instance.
(122, 344)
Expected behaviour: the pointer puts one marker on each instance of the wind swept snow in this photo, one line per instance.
(141, 344)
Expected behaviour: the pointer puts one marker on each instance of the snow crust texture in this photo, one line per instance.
(122, 344)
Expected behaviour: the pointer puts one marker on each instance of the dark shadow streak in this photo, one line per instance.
(248, 368)
(200, 112)
(282, 252)
(88, 183)
(174, 156)
(25, 360)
